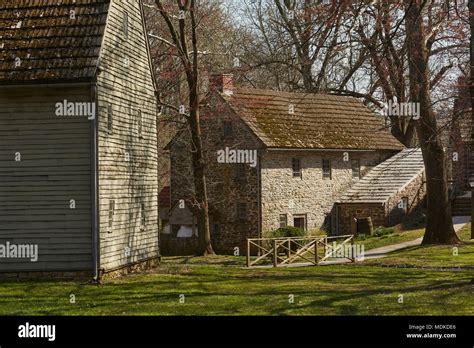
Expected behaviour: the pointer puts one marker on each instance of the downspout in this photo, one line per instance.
(259, 194)
(95, 186)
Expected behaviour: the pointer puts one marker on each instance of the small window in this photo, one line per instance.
(110, 121)
(142, 217)
(326, 169)
(240, 171)
(355, 163)
(140, 123)
(283, 220)
(215, 230)
(125, 25)
(300, 221)
(296, 164)
(111, 216)
(242, 211)
(227, 129)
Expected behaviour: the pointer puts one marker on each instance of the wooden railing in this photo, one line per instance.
(290, 250)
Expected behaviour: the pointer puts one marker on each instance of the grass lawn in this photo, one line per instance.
(394, 238)
(434, 256)
(221, 286)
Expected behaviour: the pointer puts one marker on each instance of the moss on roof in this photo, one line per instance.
(319, 121)
(49, 42)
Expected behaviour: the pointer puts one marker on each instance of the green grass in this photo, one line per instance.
(395, 238)
(221, 286)
(434, 256)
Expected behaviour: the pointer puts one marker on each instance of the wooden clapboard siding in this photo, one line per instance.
(55, 167)
(130, 184)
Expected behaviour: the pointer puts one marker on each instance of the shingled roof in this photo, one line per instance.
(50, 44)
(387, 179)
(319, 121)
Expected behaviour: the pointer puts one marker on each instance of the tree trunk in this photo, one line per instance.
(407, 137)
(199, 172)
(439, 227)
(471, 85)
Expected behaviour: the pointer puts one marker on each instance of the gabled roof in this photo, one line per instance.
(319, 121)
(387, 179)
(50, 44)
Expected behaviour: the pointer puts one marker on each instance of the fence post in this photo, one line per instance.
(275, 253)
(248, 252)
(289, 248)
(353, 249)
(325, 244)
(316, 252)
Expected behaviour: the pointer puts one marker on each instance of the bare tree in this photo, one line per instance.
(439, 228)
(471, 84)
(184, 43)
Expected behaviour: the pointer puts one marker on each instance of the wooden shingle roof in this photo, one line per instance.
(318, 121)
(50, 40)
(387, 179)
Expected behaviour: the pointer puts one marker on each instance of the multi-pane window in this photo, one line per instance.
(326, 169)
(296, 165)
(300, 221)
(125, 25)
(140, 123)
(355, 163)
(227, 129)
(111, 216)
(242, 211)
(110, 120)
(215, 230)
(283, 220)
(142, 216)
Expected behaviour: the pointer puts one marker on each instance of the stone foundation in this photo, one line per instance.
(130, 269)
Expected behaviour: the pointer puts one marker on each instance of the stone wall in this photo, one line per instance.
(350, 211)
(310, 195)
(225, 191)
(415, 192)
(384, 214)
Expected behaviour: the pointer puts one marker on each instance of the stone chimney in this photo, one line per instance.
(224, 83)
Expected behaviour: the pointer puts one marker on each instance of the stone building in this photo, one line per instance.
(277, 159)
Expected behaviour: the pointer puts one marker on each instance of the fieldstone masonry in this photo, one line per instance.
(311, 195)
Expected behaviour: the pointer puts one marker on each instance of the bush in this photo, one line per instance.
(383, 231)
(288, 231)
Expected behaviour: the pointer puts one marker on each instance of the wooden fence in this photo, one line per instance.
(291, 250)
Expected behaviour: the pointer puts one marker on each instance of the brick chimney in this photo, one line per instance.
(223, 83)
